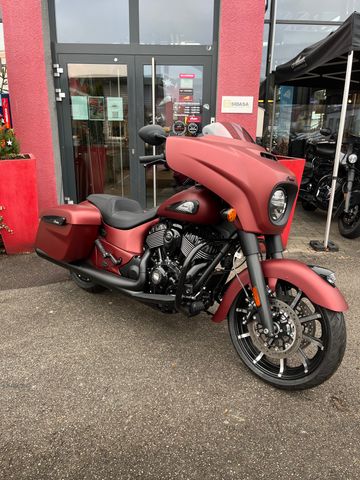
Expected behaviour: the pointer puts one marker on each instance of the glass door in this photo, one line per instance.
(176, 95)
(98, 137)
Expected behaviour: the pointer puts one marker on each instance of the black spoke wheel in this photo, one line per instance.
(86, 283)
(308, 345)
(349, 223)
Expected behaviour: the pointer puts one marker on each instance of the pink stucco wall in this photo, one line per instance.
(23, 32)
(240, 50)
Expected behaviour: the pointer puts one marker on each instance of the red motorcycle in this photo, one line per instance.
(188, 255)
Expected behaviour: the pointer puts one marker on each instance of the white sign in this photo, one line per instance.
(237, 104)
(115, 109)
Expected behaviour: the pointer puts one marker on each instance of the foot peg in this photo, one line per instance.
(106, 254)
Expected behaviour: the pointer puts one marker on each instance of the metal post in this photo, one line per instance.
(271, 40)
(120, 130)
(153, 74)
(270, 59)
(273, 120)
(338, 145)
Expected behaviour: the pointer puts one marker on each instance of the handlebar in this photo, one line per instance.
(146, 159)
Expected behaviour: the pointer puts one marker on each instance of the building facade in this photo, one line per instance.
(84, 76)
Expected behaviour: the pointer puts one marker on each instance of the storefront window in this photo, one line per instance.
(176, 23)
(90, 21)
(179, 110)
(321, 10)
(291, 39)
(264, 51)
(297, 123)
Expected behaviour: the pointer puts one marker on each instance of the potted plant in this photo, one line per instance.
(18, 194)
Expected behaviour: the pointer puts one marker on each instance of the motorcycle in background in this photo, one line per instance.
(316, 183)
(189, 254)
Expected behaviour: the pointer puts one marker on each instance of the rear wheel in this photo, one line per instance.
(86, 283)
(349, 223)
(308, 345)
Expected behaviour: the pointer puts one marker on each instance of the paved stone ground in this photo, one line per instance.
(101, 387)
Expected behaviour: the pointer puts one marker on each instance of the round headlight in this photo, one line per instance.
(277, 206)
(352, 158)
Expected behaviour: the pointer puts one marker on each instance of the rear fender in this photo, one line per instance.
(314, 286)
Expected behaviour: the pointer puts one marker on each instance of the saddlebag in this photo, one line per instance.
(68, 232)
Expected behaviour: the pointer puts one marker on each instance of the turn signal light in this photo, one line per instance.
(229, 214)
(256, 297)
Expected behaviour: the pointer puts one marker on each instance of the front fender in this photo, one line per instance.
(317, 289)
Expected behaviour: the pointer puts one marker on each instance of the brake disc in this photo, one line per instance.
(288, 332)
(308, 328)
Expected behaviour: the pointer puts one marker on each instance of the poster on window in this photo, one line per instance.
(115, 110)
(96, 108)
(79, 107)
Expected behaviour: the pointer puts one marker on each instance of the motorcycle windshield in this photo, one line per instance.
(236, 171)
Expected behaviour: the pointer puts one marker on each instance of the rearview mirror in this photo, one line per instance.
(152, 134)
(325, 131)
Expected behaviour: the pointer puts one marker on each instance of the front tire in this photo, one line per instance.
(349, 223)
(314, 355)
(86, 284)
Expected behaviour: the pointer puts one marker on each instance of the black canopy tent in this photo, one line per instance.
(333, 62)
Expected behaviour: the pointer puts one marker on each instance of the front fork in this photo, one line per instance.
(250, 247)
(350, 182)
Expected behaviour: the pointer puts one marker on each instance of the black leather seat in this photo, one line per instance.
(120, 212)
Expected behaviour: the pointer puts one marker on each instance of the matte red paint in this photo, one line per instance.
(240, 51)
(29, 96)
(208, 212)
(106, 264)
(18, 194)
(132, 240)
(294, 272)
(235, 171)
(123, 244)
(84, 213)
(74, 240)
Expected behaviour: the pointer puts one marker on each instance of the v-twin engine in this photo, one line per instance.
(171, 244)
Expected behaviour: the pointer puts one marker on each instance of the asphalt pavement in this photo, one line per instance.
(102, 387)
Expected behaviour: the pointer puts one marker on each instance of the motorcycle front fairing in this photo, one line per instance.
(239, 173)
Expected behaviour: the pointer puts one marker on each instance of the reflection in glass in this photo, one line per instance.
(296, 123)
(99, 111)
(291, 39)
(90, 21)
(188, 22)
(322, 10)
(264, 51)
(178, 100)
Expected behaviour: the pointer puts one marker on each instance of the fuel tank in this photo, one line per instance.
(194, 205)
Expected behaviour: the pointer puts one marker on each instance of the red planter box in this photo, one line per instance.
(18, 194)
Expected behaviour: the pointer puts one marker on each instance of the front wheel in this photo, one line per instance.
(308, 345)
(349, 223)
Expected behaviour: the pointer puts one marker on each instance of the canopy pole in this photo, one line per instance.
(338, 145)
(153, 100)
(273, 119)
